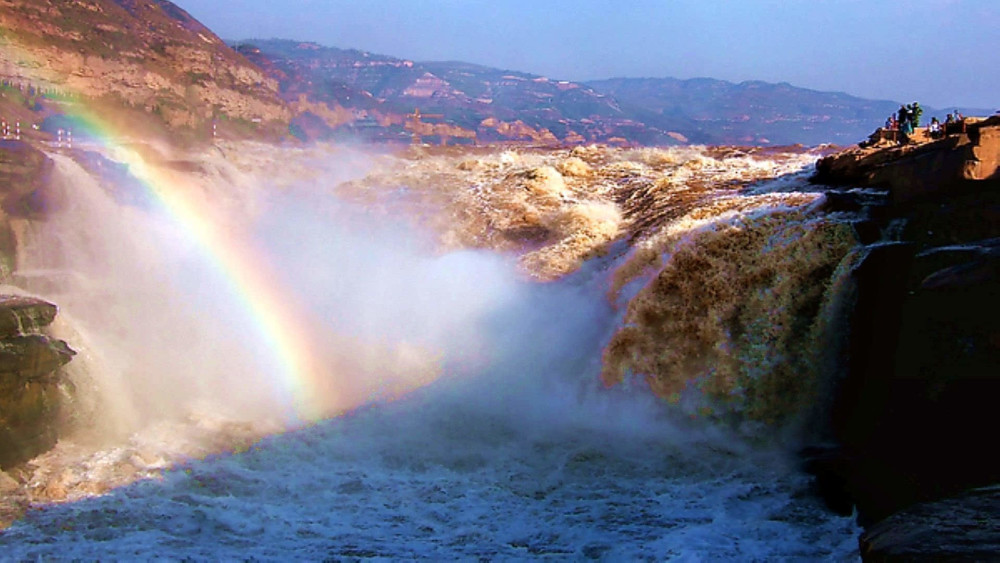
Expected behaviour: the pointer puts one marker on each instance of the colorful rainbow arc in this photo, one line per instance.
(279, 320)
(252, 280)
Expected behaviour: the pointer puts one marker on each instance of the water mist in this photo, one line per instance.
(471, 420)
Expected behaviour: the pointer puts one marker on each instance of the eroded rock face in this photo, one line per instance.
(919, 171)
(24, 171)
(913, 413)
(142, 54)
(19, 315)
(24, 176)
(31, 386)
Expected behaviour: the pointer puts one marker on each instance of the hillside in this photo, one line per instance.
(751, 112)
(335, 91)
(148, 67)
(128, 57)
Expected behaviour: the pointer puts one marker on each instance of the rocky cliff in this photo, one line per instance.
(147, 69)
(922, 169)
(144, 57)
(31, 385)
(913, 413)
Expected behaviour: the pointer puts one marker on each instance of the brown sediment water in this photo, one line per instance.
(720, 284)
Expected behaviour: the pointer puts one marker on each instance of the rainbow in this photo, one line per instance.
(281, 322)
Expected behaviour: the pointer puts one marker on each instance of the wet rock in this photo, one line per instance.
(920, 373)
(835, 201)
(30, 395)
(921, 379)
(31, 358)
(963, 528)
(24, 175)
(866, 231)
(976, 265)
(31, 384)
(19, 315)
(831, 469)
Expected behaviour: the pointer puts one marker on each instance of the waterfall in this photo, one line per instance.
(475, 423)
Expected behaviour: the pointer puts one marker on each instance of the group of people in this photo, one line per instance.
(954, 123)
(907, 119)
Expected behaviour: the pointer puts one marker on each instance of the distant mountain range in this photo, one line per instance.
(348, 92)
(749, 112)
(152, 68)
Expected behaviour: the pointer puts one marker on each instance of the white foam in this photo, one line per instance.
(516, 452)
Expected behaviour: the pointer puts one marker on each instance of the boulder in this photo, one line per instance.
(32, 386)
(19, 315)
(962, 528)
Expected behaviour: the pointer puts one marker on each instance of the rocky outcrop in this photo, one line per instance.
(24, 175)
(916, 171)
(149, 56)
(31, 385)
(919, 381)
(24, 171)
(517, 130)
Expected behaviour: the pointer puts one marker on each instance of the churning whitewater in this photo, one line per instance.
(470, 419)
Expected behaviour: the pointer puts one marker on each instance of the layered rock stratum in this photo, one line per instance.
(915, 171)
(145, 56)
(31, 386)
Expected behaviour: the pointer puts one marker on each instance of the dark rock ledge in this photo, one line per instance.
(914, 413)
(31, 383)
(962, 528)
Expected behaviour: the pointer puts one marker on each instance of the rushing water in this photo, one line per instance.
(512, 450)
(437, 478)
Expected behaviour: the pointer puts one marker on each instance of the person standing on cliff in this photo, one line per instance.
(917, 112)
(906, 119)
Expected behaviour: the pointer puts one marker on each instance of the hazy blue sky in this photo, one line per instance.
(939, 52)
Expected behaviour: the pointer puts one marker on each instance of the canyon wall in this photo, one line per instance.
(912, 416)
(146, 56)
